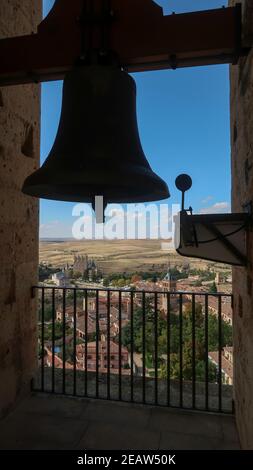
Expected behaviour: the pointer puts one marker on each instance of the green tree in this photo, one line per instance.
(48, 313)
(213, 288)
(150, 340)
(172, 344)
(121, 282)
(106, 282)
(58, 331)
(77, 275)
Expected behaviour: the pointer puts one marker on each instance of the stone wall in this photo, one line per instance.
(19, 156)
(90, 389)
(241, 77)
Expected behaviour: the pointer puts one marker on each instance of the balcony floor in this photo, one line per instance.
(53, 422)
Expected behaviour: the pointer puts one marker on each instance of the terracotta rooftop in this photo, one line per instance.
(226, 365)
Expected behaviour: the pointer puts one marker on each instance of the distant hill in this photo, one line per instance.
(116, 255)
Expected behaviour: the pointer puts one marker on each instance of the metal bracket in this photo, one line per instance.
(224, 240)
(224, 230)
(191, 244)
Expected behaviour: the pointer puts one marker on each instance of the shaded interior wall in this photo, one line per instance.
(241, 77)
(19, 156)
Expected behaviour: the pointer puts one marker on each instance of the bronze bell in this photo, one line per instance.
(97, 150)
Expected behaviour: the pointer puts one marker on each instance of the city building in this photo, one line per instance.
(168, 284)
(60, 279)
(102, 356)
(114, 304)
(226, 364)
(58, 362)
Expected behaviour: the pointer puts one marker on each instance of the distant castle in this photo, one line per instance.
(85, 266)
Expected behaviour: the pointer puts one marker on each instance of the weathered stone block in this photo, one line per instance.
(19, 111)
(241, 77)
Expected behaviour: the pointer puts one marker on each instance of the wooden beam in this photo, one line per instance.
(142, 37)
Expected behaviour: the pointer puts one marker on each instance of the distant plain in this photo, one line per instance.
(116, 255)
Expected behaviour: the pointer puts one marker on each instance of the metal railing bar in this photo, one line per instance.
(97, 344)
(156, 350)
(74, 345)
(206, 356)
(193, 353)
(120, 347)
(132, 346)
(143, 347)
(168, 349)
(93, 289)
(220, 352)
(181, 350)
(86, 344)
(42, 337)
(64, 341)
(53, 340)
(108, 344)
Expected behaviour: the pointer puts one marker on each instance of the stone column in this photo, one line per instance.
(19, 156)
(241, 77)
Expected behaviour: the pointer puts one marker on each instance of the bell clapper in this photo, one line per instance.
(99, 206)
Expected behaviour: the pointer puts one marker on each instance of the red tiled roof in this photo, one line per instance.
(226, 365)
(58, 362)
(114, 347)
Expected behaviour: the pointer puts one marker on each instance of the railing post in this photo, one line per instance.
(132, 346)
(168, 349)
(206, 355)
(74, 345)
(193, 353)
(156, 351)
(86, 345)
(42, 336)
(143, 347)
(181, 350)
(53, 340)
(97, 344)
(108, 345)
(64, 342)
(120, 348)
(220, 352)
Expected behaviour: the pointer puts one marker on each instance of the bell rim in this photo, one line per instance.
(86, 193)
(59, 193)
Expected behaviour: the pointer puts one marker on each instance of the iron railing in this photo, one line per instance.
(149, 347)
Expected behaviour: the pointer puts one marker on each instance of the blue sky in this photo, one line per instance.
(183, 118)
